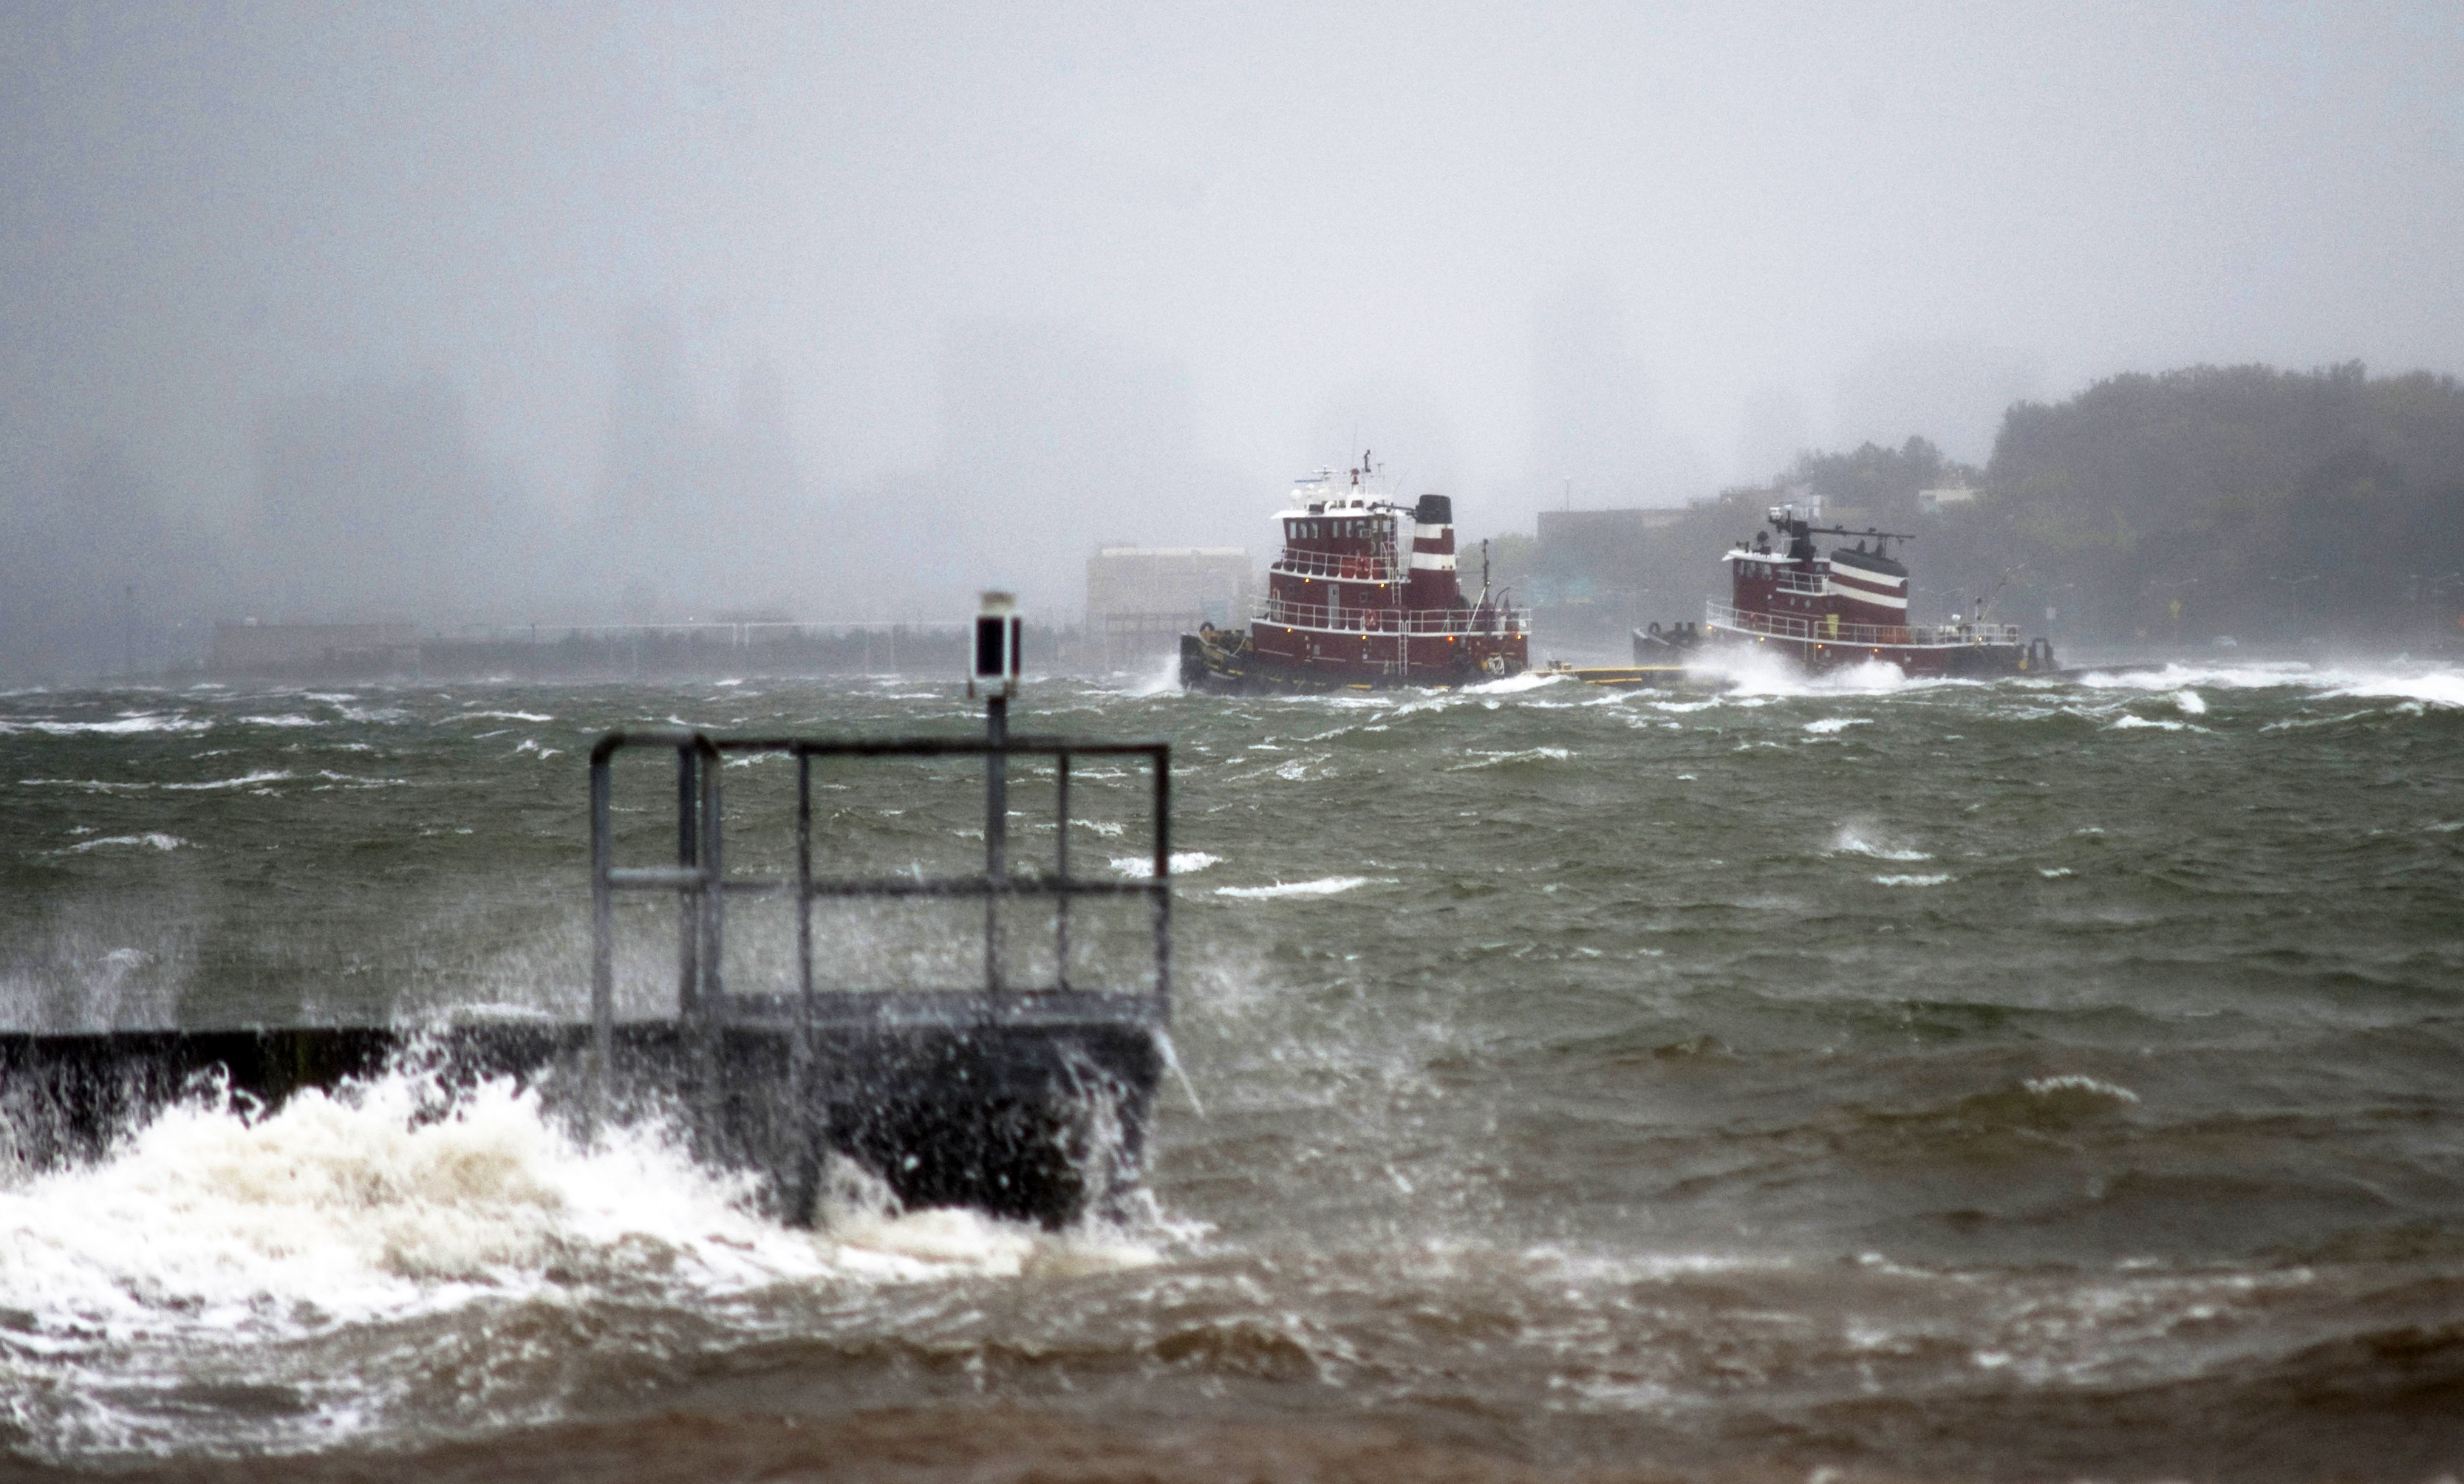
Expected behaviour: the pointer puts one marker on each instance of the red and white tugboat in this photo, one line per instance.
(1363, 596)
(1847, 607)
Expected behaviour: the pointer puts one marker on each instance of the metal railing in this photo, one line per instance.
(1378, 567)
(702, 886)
(1781, 626)
(1394, 621)
(737, 634)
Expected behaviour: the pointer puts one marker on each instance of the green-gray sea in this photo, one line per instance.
(2040, 1079)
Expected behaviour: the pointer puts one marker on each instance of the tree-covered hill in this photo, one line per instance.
(2268, 505)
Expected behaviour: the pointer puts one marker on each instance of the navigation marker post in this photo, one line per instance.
(1001, 633)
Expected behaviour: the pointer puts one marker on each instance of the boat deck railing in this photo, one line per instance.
(702, 886)
(1335, 619)
(1782, 625)
(1376, 567)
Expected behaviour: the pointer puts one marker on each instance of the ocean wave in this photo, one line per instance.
(212, 1233)
(119, 727)
(150, 841)
(1753, 673)
(1830, 724)
(2436, 685)
(1934, 880)
(245, 781)
(2075, 1085)
(1324, 886)
(2173, 675)
(1513, 685)
(2437, 688)
(1852, 840)
(1523, 754)
(1183, 862)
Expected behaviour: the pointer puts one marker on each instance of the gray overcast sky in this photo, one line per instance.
(1647, 248)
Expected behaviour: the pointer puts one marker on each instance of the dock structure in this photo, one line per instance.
(1027, 1100)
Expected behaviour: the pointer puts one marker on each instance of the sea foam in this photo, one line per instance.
(209, 1233)
(1183, 862)
(1324, 886)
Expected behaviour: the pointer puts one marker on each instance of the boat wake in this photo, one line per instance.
(1751, 672)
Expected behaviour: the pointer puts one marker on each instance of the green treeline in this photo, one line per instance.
(2269, 506)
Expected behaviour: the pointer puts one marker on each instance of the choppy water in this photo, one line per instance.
(2038, 1078)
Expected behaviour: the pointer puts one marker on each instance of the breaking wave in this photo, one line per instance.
(1852, 840)
(1325, 887)
(1183, 862)
(248, 1239)
(152, 841)
(2432, 684)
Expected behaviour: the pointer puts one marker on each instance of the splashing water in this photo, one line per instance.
(244, 1245)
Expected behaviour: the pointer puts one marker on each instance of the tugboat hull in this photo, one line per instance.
(1219, 661)
(1976, 660)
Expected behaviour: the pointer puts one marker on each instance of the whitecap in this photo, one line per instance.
(1183, 862)
(2075, 1085)
(2190, 702)
(245, 781)
(1912, 880)
(2437, 688)
(1492, 759)
(1852, 840)
(83, 785)
(531, 716)
(2174, 676)
(150, 841)
(1829, 725)
(1514, 684)
(1325, 887)
(2434, 684)
(120, 726)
